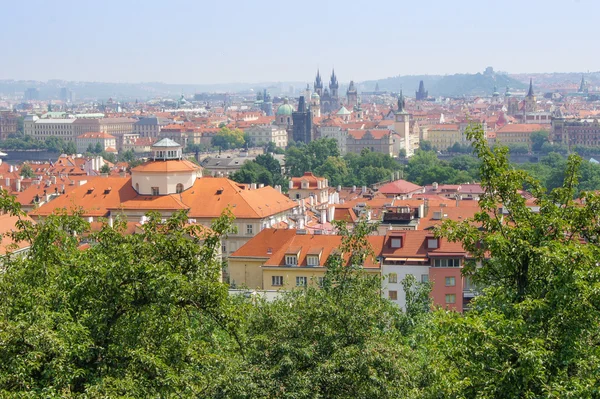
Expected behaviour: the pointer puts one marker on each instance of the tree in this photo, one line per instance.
(151, 319)
(229, 138)
(194, 148)
(331, 342)
(402, 153)
(425, 145)
(533, 331)
(105, 169)
(335, 170)
(538, 139)
(518, 148)
(27, 171)
(98, 148)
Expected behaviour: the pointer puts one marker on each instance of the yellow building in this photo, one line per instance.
(444, 136)
(278, 259)
(518, 133)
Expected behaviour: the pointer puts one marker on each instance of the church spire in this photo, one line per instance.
(530, 92)
(583, 84)
(401, 102)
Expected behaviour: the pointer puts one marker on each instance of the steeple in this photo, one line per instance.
(333, 83)
(318, 86)
(583, 85)
(530, 92)
(401, 103)
(421, 94)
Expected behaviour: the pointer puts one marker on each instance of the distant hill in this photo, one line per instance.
(450, 85)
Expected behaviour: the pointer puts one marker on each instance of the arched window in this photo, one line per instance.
(393, 278)
(179, 188)
(137, 187)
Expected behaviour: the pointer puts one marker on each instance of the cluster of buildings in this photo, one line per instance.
(281, 240)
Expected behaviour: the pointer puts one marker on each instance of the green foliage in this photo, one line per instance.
(425, 168)
(263, 169)
(229, 138)
(27, 171)
(533, 332)
(538, 139)
(425, 145)
(150, 319)
(518, 148)
(332, 342)
(105, 169)
(194, 148)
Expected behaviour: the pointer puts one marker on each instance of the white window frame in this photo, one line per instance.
(249, 229)
(450, 281)
(301, 281)
(276, 281)
(312, 260)
(396, 242)
(291, 260)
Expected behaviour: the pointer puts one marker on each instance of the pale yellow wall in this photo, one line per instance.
(246, 272)
(289, 276)
(444, 139)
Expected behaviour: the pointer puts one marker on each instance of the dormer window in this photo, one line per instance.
(433, 243)
(396, 242)
(312, 260)
(291, 260)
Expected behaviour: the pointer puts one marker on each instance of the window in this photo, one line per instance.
(179, 188)
(432, 243)
(446, 263)
(155, 191)
(396, 243)
(297, 196)
(249, 229)
(393, 295)
(301, 281)
(276, 281)
(393, 278)
(424, 278)
(312, 260)
(450, 281)
(223, 248)
(320, 281)
(137, 187)
(291, 260)
(450, 298)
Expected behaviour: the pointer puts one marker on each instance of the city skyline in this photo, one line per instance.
(181, 43)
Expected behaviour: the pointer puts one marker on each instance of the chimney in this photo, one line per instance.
(11, 168)
(364, 189)
(8, 183)
(110, 220)
(323, 217)
(435, 186)
(353, 189)
(261, 185)
(253, 186)
(291, 184)
(18, 185)
(339, 188)
(53, 179)
(312, 200)
(458, 198)
(330, 213)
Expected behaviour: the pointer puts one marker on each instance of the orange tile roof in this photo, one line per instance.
(399, 187)
(414, 245)
(309, 177)
(377, 134)
(95, 135)
(8, 225)
(522, 128)
(273, 244)
(207, 198)
(166, 166)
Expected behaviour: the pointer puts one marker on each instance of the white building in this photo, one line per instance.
(107, 142)
(260, 135)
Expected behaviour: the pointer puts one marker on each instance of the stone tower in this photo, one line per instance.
(318, 85)
(402, 124)
(421, 94)
(530, 101)
(352, 95)
(333, 90)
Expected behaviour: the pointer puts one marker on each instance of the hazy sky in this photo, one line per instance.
(255, 41)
